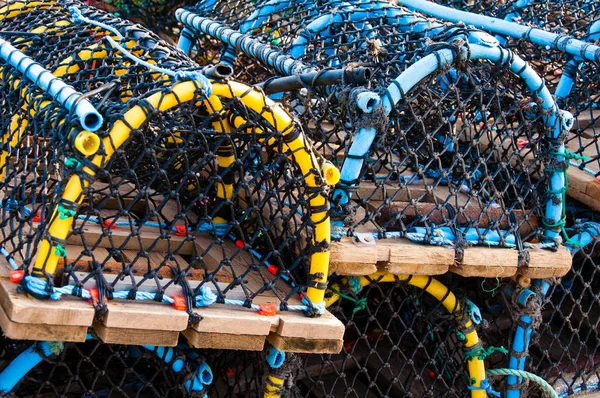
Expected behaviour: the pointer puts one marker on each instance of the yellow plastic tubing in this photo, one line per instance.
(448, 300)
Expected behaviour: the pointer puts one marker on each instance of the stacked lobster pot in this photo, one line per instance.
(452, 142)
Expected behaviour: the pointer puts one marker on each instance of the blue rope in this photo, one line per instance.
(485, 386)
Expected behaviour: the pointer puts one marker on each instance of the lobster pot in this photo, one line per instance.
(179, 193)
(464, 147)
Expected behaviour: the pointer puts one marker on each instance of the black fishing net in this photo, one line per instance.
(211, 199)
(94, 369)
(462, 148)
(566, 346)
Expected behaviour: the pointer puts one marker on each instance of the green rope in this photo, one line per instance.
(562, 192)
(72, 163)
(572, 156)
(483, 353)
(359, 304)
(63, 213)
(526, 375)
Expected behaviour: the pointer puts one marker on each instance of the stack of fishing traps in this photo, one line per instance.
(365, 200)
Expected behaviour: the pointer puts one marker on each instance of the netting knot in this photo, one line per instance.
(205, 298)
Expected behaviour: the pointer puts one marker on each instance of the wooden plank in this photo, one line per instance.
(297, 344)
(296, 324)
(122, 238)
(225, 341)
(397, 256)
(220, 318)
(587, 119)
(230, 259)
(99, 254)
(70, 311)
(380, 192)
(136, 336)
(472, 211)
(403, 257)
(38, 332)
(583, 187)
(546, 263)
(349, 259)
(147, 315)
(487, 262)
(142, 265)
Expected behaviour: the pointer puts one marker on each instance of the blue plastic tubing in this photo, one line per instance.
(89, 118)
(395, 16)
(21, 365)
(31, 357)
(283, 63)
(565, 44)
(522, 338)
(202, 378)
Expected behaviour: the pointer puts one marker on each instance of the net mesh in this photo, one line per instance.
(186, 196)
(94, 369)
(441, 156)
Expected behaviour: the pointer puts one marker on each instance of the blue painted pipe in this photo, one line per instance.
(567, 80)
(89, 118)
(22, 364)
(202, 378)
(522, 338)
(283, 63)
(588, 235)
(498, 26)
(395, 16)
(353, 162)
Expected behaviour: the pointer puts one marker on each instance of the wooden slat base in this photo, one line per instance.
(152, 323)
(403, 257)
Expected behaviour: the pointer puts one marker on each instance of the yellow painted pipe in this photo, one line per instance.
(273, 387)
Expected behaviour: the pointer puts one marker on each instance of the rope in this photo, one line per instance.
(359, 304)
(526, 375)
(483, 353)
